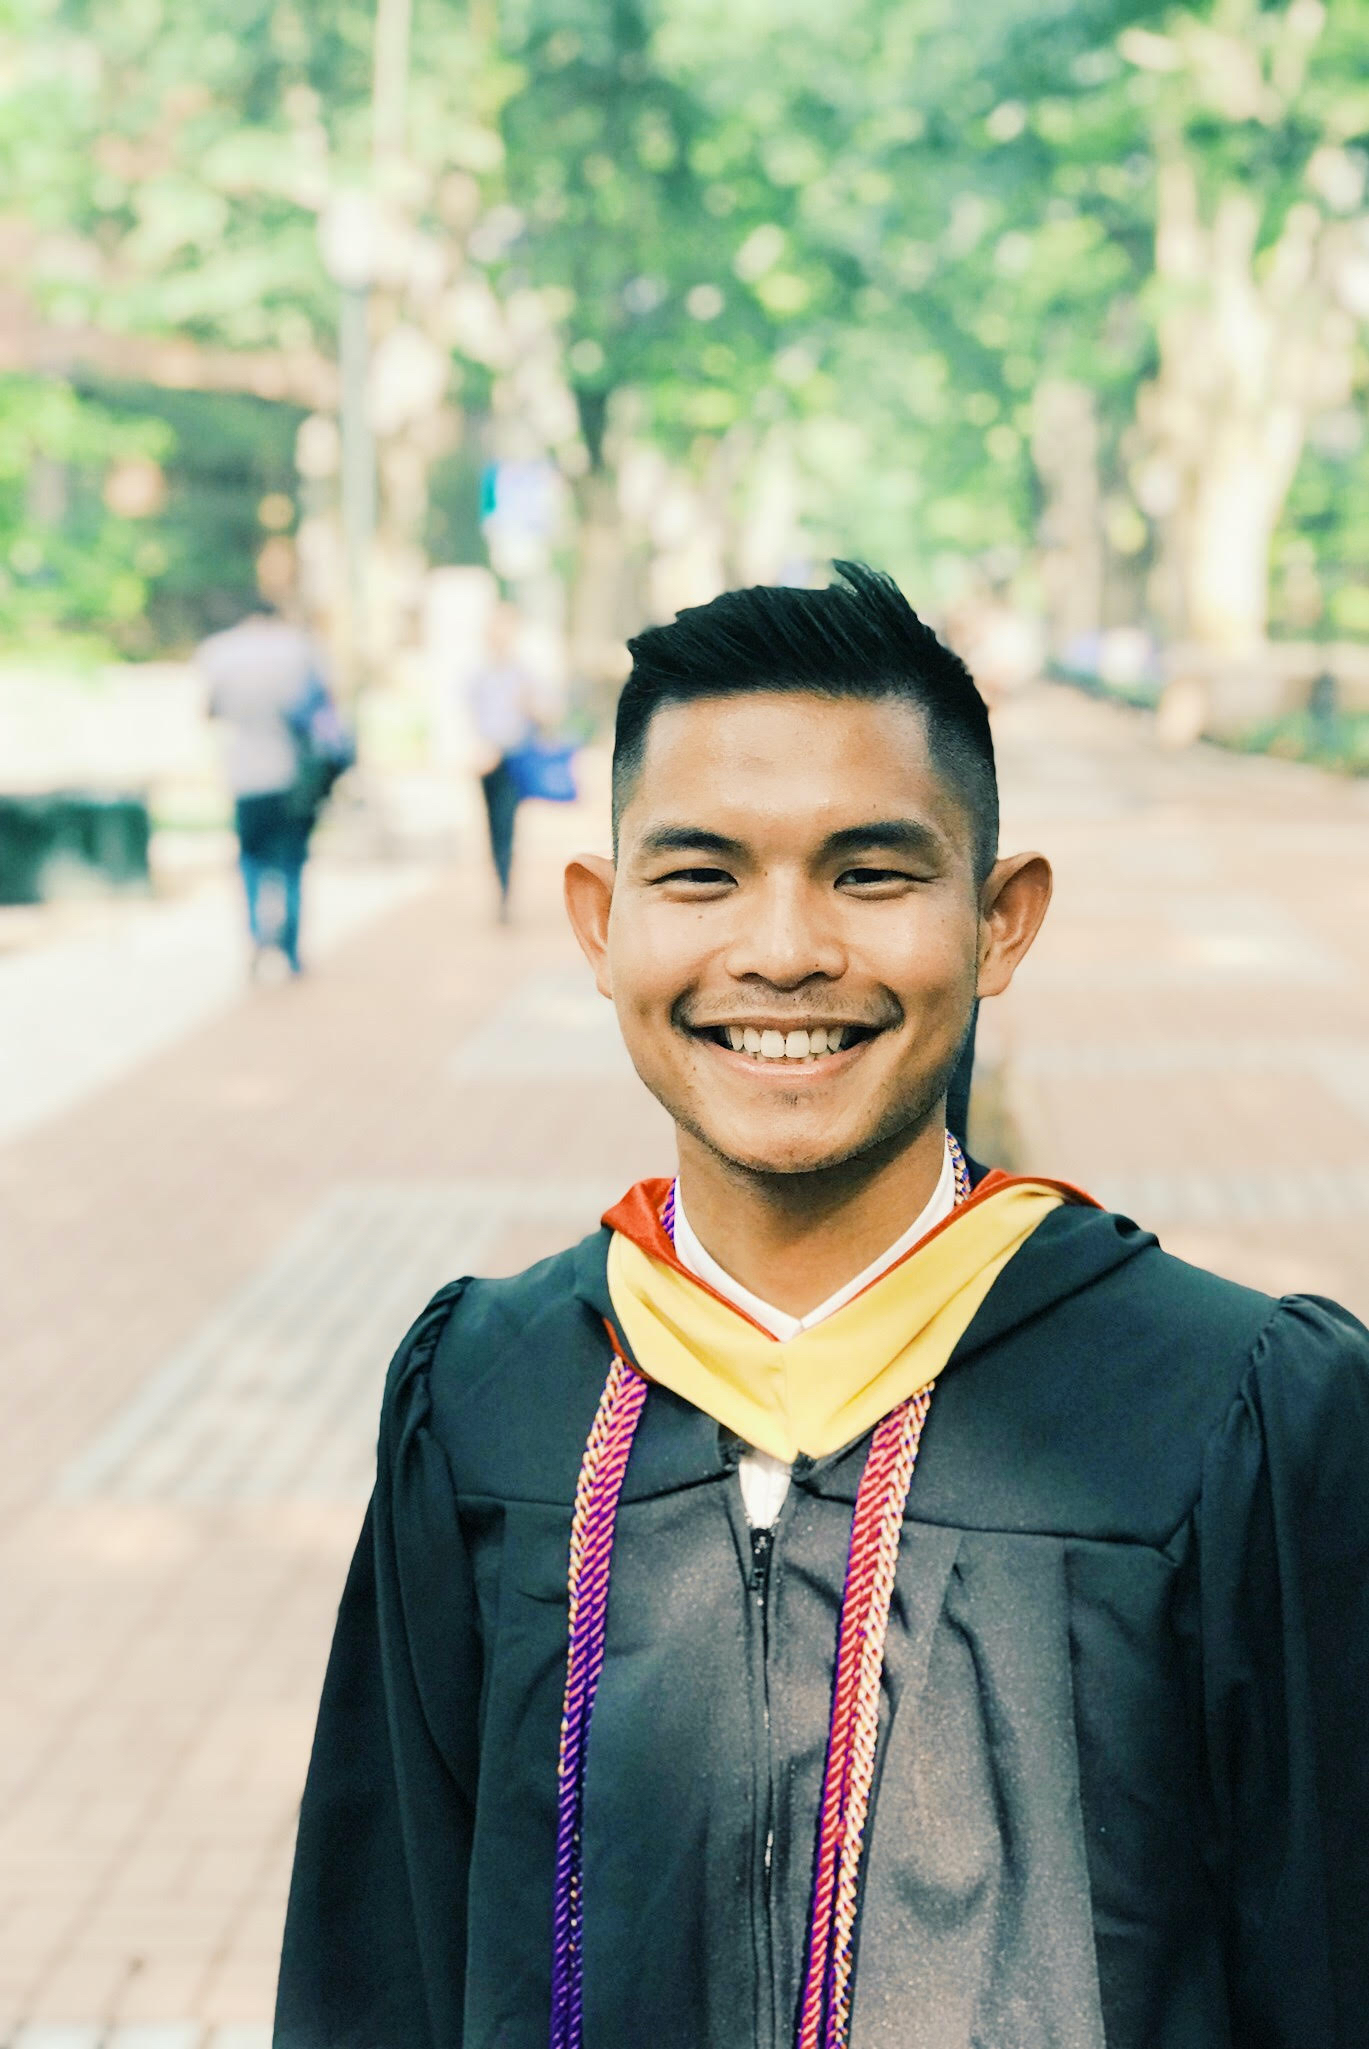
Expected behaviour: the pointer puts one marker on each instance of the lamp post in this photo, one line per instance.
(347, 242)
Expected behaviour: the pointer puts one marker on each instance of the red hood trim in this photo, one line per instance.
(638, 1217)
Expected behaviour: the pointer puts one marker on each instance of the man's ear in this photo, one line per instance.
(1012, 904)
(589, 894)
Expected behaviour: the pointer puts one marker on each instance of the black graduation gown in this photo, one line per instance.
(1123, 1793)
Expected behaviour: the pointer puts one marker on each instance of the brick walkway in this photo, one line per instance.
(207, 1261)
(1190, 1037)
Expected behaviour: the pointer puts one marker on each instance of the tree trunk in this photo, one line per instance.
(1253, 343)
(1237, 497)
(1247, 358)
(1255, 421)
(600, 611)
(1065, 452)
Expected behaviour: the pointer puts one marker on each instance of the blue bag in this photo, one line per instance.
(324, 749)
(545, 769)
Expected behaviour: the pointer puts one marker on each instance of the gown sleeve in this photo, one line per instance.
(374, 1950)
(1283, 1557)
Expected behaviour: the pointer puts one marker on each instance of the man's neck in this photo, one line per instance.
(796, 1239)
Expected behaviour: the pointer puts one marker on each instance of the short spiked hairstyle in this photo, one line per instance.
(858, 638)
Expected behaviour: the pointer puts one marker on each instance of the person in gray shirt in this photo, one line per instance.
(261, 675)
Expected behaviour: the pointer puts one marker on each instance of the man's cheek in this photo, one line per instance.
(650, 1031)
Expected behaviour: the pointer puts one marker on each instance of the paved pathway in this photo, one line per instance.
(92, 1004)
(209, 1255)
(1190, 1037)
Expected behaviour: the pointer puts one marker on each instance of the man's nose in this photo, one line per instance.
(785, 934)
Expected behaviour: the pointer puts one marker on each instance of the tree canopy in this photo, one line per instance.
(1069, 299)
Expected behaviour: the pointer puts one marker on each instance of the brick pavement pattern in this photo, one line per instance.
(207, 1261)
(1189, 1039)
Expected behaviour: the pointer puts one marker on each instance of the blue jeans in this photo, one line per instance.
(501, 808)
(273, 844)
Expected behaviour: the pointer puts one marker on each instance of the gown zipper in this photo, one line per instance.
(758, 1589)
(762, 1548)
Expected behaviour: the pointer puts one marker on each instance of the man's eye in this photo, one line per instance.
(705, 878)
(873, 878)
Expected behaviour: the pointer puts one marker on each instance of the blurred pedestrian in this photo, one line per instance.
(286, 746)
(501, 697)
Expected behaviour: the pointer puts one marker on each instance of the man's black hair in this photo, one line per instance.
(858, 638)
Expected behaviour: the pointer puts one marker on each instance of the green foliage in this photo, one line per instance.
(1321, 553)
(172, 153)
(66, 561)
(881, 225)
(971, 189)
(1340, 741)
(229, 454)
(673, 263)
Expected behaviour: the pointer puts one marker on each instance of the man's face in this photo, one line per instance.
(793, 878)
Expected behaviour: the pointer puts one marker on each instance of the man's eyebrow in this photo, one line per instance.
(889, 835)
(688, 839)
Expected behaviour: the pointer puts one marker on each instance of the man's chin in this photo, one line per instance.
(856, 1145)
(766, 1154)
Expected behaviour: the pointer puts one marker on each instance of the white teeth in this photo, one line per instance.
(795, 1045)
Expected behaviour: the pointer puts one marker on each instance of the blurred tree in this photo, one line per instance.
(1070, 294)
(1259, 118)
(80, 485)
(938, 165)
(664, 251)
(228, 496)
(175, 161)
(167, 164)
(1112, 257)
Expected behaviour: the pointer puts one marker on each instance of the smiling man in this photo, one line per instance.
(853, 1598)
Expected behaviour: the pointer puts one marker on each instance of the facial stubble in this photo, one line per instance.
(902, 1123)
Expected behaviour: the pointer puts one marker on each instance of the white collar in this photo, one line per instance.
(692, 1255)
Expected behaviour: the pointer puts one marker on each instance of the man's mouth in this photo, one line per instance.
(769, 1044)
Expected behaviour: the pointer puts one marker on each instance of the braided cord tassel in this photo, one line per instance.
(853, 1734)
(591, 1549)
(860, 1773)
(876, 1530)
(852, 1745)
